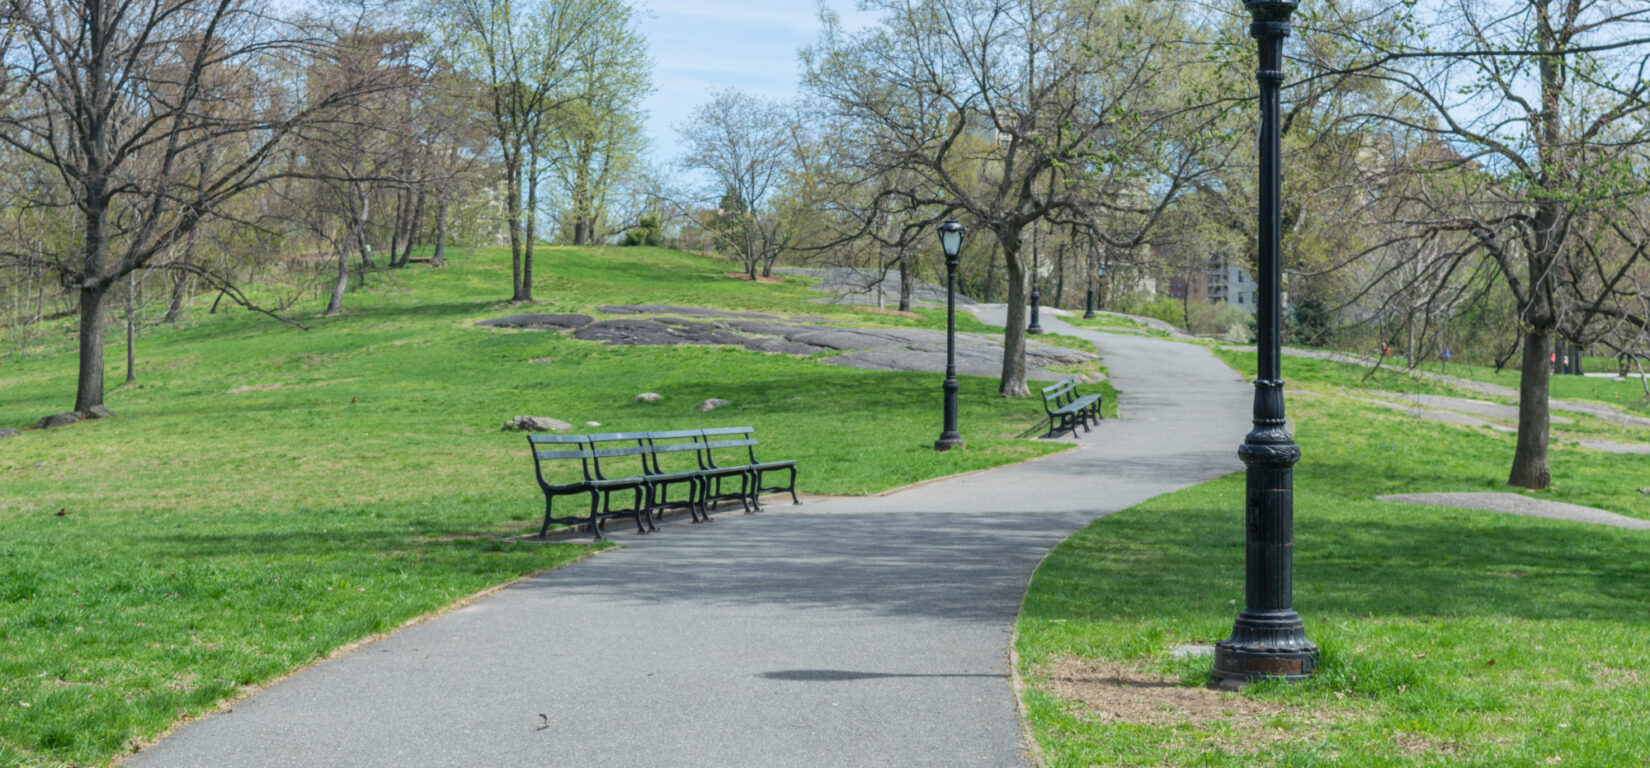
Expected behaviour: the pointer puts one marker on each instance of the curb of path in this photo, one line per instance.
(1034, 749)
(228, 705)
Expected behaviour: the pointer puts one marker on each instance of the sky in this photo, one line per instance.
(698, 45)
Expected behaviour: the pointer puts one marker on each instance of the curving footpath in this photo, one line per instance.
(845, 632)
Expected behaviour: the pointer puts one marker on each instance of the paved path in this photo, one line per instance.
(847, 632)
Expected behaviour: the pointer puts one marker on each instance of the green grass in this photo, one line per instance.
(1627, 394)
(1393, 376)
(1449, 637)
(267, 494)
(1104, 322)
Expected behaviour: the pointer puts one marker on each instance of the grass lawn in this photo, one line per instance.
(1449, 637)
(1628, 395)
(1105, 322)
(267, 494)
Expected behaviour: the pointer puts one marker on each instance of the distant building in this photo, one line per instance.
(1222, 280)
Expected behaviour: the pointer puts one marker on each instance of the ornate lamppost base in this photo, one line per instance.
(1266, 645)
(947, 442)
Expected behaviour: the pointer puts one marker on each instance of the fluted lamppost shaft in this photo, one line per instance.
(1036, 325)
(1268, 638)
(951, 234)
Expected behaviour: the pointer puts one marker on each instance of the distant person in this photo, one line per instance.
(1386, 351)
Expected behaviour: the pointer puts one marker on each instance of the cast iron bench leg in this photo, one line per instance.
(595, 504)
(644, 492)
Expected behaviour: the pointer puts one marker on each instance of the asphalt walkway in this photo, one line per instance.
(845, 632)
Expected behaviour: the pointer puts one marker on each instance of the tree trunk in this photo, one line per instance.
(131, 329)
(180, 282)
(364, 215)
(398, 231)
(1529, 469)
(439, 258)
(525, 294)
(89, 386)
(512, 211)
(1059, 277)
(1013, 381)
(336, 304)
(415, 225)
(904, 283)
(174, 306)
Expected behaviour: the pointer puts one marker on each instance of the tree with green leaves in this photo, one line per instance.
(1049, 109)
(526, 56)
(598, 136)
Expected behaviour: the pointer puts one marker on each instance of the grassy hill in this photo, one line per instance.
(267, 494)
(1449, 636)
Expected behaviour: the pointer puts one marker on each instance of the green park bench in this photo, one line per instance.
(592, 481)
(733, 438)
(1067, 408)
(661, 478)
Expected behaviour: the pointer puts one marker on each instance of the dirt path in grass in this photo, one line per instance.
(845, 632)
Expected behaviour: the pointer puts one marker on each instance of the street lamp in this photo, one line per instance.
(1088, 310)
(1269, 639)
(951, 235)
(1036, 293)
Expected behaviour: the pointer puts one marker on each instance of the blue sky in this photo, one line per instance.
(698, 45)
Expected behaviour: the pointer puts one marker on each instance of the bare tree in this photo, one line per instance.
(1544, 105)
(743, 143)
(120, 99)
(1011, 112)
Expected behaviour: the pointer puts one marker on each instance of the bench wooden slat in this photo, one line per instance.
(728, 444)
(544, 439)
(558, 455)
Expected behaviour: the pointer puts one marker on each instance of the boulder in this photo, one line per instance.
(649, 397)
(592, 423)
(536, 424)
(712, 404)
(98, 412)
(6, 432)
(59, 420)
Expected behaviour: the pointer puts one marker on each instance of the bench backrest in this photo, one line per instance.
(728, 438)
(1065, 387)
(563, 448)
(647, 447)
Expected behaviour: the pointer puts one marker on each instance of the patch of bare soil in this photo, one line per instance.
(758, 279)
(1120, 693)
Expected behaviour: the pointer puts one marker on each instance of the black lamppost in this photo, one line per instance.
(951, 235)
(1100, 286)
(1269, 639)
(1036, 294)
(1088, 311)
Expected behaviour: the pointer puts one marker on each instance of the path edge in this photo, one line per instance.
(227, 706)
(1033, 748)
